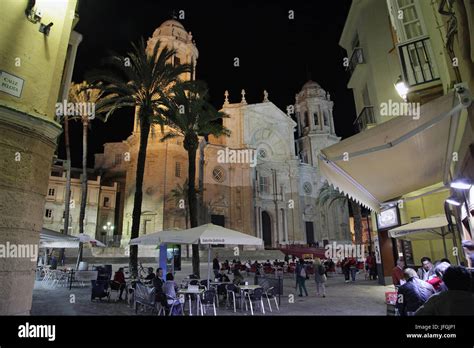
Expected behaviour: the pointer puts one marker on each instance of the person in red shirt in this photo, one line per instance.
(119, 282)
(397, 273)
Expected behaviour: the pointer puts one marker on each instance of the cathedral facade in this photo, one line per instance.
(271, 192)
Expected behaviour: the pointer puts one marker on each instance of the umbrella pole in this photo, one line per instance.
(208, 264)
(79, 256)
(444, 243)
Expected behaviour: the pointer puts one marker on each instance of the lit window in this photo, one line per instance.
(177, 169)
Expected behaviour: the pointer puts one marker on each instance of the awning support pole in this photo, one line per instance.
(208, 264)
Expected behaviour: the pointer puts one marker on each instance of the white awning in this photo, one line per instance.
(204, 234)
(396, 157)
(433, 227)
(53, 239)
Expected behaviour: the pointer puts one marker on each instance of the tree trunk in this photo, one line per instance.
(137, 203)
(191, 147)
(67, 198)
(356, 212)
(202, 218)
(82, 212)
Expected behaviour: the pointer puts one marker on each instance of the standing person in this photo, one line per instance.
(215, 265)
(397, 274)
(320, 276)
(413, 294)
(345, 266)
(301, 276)
(370, 266)
(238, 278)
(119, 282)
(426, 271)
(353, 268)
(287, 258)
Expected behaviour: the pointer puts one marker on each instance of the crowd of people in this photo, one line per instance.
(435, 289)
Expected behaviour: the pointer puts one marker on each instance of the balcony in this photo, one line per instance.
(365, 119)
(357, 58)
(417, 61)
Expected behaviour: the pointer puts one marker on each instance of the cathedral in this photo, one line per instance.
(272, 196)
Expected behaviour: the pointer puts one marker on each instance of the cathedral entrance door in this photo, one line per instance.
(309, 232)
(266, 229)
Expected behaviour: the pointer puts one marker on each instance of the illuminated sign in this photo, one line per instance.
(388, 218)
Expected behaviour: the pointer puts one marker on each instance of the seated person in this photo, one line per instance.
(238, 278)
(222, 277)
(158, 284)
(148, 279)
(119, 282)
(170, 288)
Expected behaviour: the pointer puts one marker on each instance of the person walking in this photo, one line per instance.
(345, 266)
(301, 277)
(215, 265)
(320, 277)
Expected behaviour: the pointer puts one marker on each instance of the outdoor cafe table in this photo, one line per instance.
(189, 292)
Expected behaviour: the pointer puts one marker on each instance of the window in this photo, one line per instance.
(51, 192)
(264, 184)
(48, 213)
(410, 25)
(218, 174)
(106, 202)
(326, 118)
(316, 119)
(308, 188)
(177, 169)
(262, 153)
(118, 158)
(306, 119)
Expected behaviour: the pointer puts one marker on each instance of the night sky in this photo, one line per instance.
(276, 53)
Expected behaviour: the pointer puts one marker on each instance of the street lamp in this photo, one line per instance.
(108, 227)
(402, 88)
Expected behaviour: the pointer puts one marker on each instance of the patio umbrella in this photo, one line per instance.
(53, 239)
(205, 234)
(84, 238)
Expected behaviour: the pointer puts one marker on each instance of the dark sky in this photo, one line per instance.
(276, 53)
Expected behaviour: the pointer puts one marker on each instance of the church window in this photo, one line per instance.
(177, 169)
(262, 153)
(326, 118)
(177, 61)
(51, 192)
(218, 174)
(106, 202)
(308, 188)
(316, 119)
(264, 184)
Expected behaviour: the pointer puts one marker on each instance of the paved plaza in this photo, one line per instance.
(362, 297)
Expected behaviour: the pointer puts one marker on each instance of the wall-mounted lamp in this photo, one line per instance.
(461, 184)
(32, 15)
(45, 29)
(402, 88)
(452, 200)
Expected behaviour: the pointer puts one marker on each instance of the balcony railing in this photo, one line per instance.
(356, 59)
(365, 118)
(417, 60)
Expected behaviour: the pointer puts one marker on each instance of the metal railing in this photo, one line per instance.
(365, 118)
(417, 60)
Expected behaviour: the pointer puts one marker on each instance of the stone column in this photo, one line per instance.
(27, 145)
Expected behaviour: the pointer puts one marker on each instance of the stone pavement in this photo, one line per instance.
(362, 297)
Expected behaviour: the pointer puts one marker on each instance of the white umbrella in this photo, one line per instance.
(150, 239)
(84, 238)
(53, 239)
(204, 234)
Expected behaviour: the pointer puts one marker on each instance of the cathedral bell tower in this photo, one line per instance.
(315, 122)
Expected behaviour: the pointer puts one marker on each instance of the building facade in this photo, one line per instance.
(271, 193)
(428, 46)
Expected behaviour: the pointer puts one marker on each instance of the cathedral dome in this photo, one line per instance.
(313, 88)
(174, 29)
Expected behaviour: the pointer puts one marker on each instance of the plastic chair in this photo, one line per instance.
(208, 299)
(255, 297)
(172, 303)
(271, 294)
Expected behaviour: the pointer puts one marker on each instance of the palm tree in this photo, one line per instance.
(81, 94)
(190, 115)
(328, 193)
(180, 194)
(141, 80)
